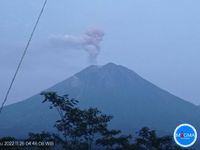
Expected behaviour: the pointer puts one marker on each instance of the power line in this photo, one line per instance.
(23, 55)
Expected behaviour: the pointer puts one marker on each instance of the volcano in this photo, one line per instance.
(116, 90)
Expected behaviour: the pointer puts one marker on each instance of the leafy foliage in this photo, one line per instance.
(84, 129)
(87, 129)
(81, 128)
(148, 140)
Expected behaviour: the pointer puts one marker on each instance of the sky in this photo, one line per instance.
(158, 39)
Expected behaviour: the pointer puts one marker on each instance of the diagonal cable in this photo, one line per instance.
(23, 55)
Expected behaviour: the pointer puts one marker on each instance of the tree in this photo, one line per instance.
(148, 140)
(112, 140)
(69, 124)
(95, 124)
(44, 137)
(8, 146)
(81, 128)
(85, 129)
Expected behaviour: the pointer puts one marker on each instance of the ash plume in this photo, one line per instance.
(88, 41)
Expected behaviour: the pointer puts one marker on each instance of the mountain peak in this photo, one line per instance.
(94, 68)
(112, 88)
(110, 65)
(110, 69)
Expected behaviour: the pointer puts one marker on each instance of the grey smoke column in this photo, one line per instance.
(89, 41)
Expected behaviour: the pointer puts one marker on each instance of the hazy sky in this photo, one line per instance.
(158, 39)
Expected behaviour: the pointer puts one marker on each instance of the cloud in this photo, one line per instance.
(88, 41)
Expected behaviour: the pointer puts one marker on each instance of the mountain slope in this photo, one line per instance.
(116, 90)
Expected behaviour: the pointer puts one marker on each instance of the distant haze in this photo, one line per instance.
(160, 40)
